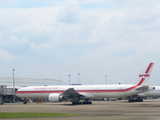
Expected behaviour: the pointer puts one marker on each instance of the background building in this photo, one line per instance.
(19, 82)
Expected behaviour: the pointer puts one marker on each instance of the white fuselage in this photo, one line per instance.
(89, 91)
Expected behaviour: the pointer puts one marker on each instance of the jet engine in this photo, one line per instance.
(54, 97)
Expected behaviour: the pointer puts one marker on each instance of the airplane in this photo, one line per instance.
(85, 93)
(139, 97)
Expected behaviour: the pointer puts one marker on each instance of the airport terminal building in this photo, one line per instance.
(8, 86)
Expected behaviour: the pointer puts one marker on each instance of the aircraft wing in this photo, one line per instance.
(70, 92)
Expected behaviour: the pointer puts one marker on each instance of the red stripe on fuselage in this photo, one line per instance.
(140, 83)
(148, 69)
(56, 91)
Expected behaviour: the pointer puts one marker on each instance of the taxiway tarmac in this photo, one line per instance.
(101, 110)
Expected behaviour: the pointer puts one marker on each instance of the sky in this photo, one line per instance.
(95, 38)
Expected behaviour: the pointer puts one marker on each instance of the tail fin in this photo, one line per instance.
(144, 76)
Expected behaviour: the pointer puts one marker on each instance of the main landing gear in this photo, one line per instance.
(139, 100)
(79, 103)
(135, 100)
(76, 103)
(25, 101)
(87, 102)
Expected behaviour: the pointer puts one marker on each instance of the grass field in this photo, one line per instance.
(26, 114)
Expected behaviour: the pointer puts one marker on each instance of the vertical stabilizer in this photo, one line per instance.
(144, 76)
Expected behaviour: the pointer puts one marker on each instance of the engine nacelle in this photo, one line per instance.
(55, 97)
(151, 88)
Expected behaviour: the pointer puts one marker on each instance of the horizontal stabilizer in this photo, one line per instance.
(142, 88)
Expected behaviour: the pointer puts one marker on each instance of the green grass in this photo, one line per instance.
(26, 114)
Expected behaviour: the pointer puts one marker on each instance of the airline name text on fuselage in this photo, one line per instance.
(144, 75)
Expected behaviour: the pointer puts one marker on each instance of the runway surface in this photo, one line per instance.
(101, 110)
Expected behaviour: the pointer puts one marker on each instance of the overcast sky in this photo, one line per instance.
(55, 38)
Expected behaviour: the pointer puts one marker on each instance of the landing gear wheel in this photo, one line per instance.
(76, 103)
(24, 102)
(87, 102)
(131, 100)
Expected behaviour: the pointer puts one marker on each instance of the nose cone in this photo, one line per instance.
(18, 93)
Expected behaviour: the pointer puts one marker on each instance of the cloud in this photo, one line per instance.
(4, 56)
(1, 36)
(14, 40)
(13, 45)
(93, 37)
(70, 12)
(37, 20)
(42, 45)
(43, 48)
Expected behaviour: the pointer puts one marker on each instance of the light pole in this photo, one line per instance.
(69, 78)
(13, 86)
(59, 76)
(105, 79)
(78, 77)
(90, 82)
